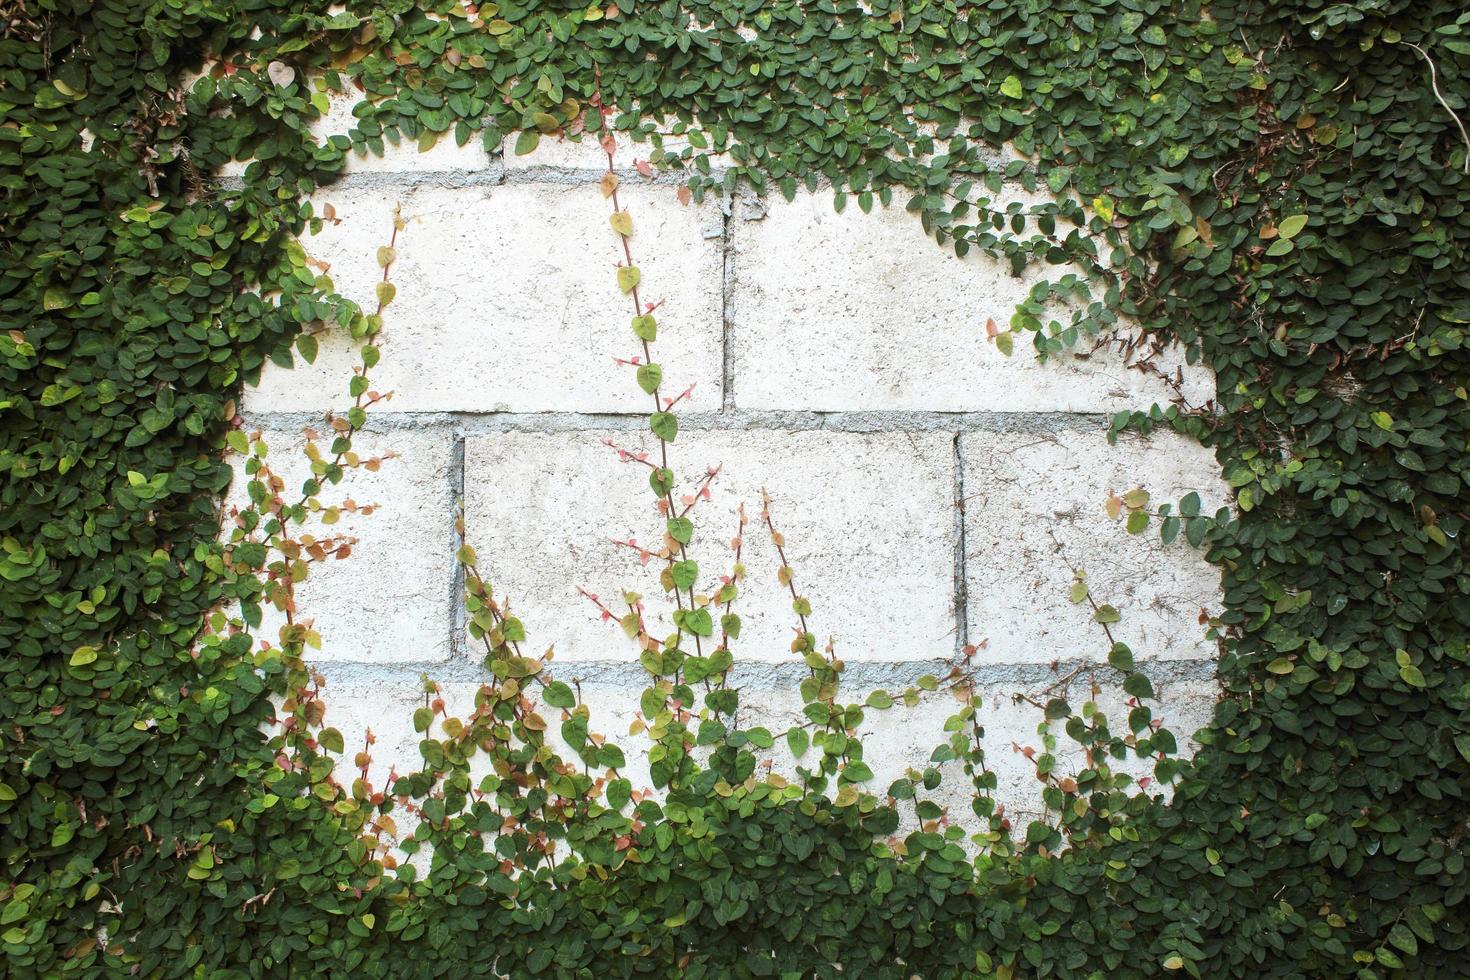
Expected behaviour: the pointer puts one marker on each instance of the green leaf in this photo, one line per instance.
(1412, 675)
(798, 741)
(558, 695)
(681, 529)
(698, 622)
(1138, 685)
(1289, 227)
(881, 700)
(330, 739)
(645, 327)
(1011, 87)
(628, 278)
(1107, 614)
(650, 376)
(665, 425)
(1121, 657)
(1169, 529)
(684, 574)
(527, 142)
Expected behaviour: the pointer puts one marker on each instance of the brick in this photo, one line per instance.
(506, 300)
(391, 600)
(1023, 489)
(868, 520)
(853, 311)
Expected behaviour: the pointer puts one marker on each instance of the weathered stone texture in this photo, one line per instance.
(861, 312)
(391, 600)
(868, 521)
(1035, 504)
(506, 300)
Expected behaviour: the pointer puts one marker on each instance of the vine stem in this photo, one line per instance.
(1434, 85)
(658, 405)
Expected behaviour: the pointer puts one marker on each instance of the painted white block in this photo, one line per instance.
(868, 520)
(507, 300)
(853, 311)
(1035, 501)
(391, 599)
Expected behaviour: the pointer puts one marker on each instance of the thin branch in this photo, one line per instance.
(1434, 84)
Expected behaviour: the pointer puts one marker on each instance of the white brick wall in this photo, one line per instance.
(840, 361)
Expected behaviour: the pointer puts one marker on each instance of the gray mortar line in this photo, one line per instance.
(499, 173)
(773, 676)
(475, 423)
(727, 295)
(961, 573)
(496, 174)
(457, 630)
(577, 175)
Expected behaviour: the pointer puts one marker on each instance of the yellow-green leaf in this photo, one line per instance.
(1292, 226)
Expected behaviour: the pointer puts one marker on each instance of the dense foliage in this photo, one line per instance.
(1283, 186)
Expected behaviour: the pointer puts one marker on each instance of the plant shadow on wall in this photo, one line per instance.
(1281, 187)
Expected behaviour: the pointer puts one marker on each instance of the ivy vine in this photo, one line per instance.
(1280, 186)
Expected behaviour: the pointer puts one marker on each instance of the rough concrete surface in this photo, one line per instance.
(1036, 505)
(898, 322)
(390, 600)
(868, 521)
(507, 301)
